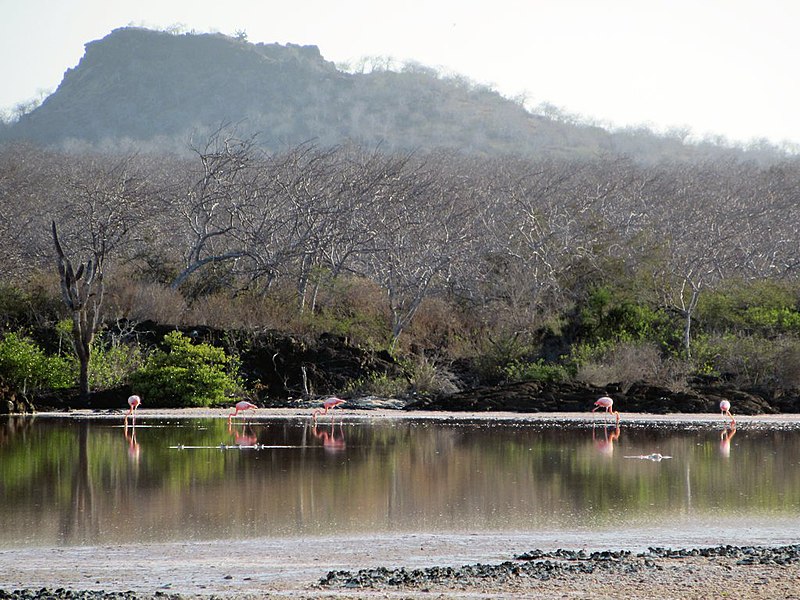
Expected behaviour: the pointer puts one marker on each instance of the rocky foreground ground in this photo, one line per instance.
(741, 572)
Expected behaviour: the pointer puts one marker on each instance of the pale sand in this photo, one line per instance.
(291, 567)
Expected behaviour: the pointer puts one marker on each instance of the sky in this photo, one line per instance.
(724, 69)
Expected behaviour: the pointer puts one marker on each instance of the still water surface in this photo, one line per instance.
(91, 481)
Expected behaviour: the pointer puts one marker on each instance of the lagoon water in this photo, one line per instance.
(91, 481)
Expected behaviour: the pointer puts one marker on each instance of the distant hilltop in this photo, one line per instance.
(155, 90)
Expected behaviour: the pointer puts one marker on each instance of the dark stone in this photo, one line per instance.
(641, 397)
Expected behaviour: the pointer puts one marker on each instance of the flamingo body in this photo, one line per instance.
(327, 405)
(607, 404)
(725, 410)
(240, 406)
(133, 403)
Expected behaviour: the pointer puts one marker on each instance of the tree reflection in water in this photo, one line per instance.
(80, 481)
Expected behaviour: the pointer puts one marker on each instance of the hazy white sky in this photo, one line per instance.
(725, 67)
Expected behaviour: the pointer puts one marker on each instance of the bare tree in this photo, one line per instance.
(422, 229)
(212, 205)
(82, 292)
(105, 202)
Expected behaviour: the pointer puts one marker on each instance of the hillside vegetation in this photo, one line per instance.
(138, 89)
(455, 270)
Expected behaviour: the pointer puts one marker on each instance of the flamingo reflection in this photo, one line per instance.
(606, 445)
(725, 440)
(133, 445)
(245, 437)
(331, 442)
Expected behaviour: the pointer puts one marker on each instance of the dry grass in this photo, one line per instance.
(629, 362)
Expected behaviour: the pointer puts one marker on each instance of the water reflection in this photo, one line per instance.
(725, 439)
(332, 439)
(81, 482)
(130, 437)
(243, 434)
(605, 446)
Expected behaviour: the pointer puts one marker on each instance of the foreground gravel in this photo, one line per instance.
(534, 568)
(560, 563)
(740, 572)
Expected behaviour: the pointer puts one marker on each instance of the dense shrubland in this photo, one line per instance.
(599, 270)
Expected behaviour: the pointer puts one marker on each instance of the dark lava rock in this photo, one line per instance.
(641, 397)
(546, 565)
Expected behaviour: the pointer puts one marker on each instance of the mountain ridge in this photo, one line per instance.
(150, 88)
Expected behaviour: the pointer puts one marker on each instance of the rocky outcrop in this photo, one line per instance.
(292, 366)
(537, 396)
(14, 403)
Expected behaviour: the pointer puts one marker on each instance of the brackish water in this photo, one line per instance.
(91, 481)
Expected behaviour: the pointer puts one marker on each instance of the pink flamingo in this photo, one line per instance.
(133, 402)
(725, 410)
(327, 405)
(239, 407)
(608, 404)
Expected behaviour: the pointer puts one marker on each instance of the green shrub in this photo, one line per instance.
(186, 374)
(31, 306)
(772, 320)
(496, 352)
(13, 304)
(625, 362)
(539, 370)
(26, 368)
(380, 385)
(751, 360)
(113, 364)
(609, 315)
(750, 307)
(351, 307)
(427, 377)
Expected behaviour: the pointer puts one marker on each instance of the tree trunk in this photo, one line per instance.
(82, 292)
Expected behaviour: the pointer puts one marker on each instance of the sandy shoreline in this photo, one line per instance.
(275, 568)
(776, 420)
(292, 567)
